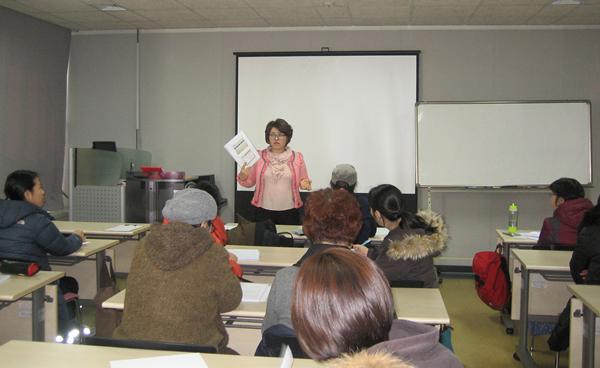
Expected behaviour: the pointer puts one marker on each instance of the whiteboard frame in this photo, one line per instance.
(522, 186)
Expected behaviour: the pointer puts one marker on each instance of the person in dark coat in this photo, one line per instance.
(585, 261)
(344, 177)
(180, 280)
(569, 203)
(406, 253)
(26, 229)
(342, 303)
(27, 232)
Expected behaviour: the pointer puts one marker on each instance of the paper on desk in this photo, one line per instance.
(123, 228)
(3, 277)
(179, 361)
(288, 358)
(230, 225)
(242, 150)
(532, 235)
(255, 293)
(381, 232)
(246, 254)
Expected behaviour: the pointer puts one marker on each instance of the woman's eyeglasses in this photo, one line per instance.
(276, 136)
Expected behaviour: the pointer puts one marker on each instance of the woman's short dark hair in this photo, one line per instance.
(18, 182)
(341, 303)
(567, 188)
(281, 125)
(387, 199)
(331, 216)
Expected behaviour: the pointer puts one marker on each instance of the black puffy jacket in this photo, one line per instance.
(28, 234)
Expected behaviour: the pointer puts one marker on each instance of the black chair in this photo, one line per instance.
(275, 339)
(149, 345)
(407, 284)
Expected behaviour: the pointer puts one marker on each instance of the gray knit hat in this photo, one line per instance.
(345, 173)
(192, 206)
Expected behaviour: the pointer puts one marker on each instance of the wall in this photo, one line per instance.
(188, 97)
(33, 77)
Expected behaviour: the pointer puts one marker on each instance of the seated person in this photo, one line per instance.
(569, 203)
(406, 253)
(28, 234)
(331, 220)
(344, 177)
(342, 304)
(585, 261)
(180, 280)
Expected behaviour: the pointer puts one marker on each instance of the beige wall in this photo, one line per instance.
(188, 97)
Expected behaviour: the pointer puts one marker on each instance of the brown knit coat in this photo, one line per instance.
(179, 283)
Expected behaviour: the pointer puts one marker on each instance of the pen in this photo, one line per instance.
(366, 242)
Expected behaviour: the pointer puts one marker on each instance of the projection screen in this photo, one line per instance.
(356, 108)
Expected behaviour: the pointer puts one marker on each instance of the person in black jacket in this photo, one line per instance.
(585, 262)
(26, 229)
(27, 232)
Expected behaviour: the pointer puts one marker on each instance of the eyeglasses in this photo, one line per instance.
(276, 136)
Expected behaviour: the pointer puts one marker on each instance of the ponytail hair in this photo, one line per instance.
(387, 199)
(591, 217)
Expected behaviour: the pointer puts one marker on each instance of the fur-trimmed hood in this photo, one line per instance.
(365, 359)
(415, 244)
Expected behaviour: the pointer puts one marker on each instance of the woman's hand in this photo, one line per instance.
(360, 249)
(244, 172)
(80, 234)
(305, 184)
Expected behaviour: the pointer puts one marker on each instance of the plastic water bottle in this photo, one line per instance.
(513, 218)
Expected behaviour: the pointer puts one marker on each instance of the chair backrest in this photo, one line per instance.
(274, 340)
(150, 345)
(407, 284)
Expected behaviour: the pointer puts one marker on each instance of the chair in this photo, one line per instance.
(274, 341)
(407, 284)
(149, 345)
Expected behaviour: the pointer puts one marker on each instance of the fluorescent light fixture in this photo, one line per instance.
(566, 2)
(111, 8)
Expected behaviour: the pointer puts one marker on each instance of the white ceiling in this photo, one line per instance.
(160, 14)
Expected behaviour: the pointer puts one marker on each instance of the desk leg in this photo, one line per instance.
(522, 349)
(589, 337)
(100, 259)
(37, 314)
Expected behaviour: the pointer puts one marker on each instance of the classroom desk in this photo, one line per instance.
(27, 354)
(508, 242)
(271, 259)
(99, 230)
(582, 345)
(296, 230)
(16, 287)
(420, 305)
(95, 248)
(246, 315)
(417, 305)
(550, 267)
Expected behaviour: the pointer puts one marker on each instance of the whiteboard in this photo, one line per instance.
(490, 144)
(344, 108)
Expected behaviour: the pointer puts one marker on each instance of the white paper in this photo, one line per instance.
(230, 225)
(4, 277)
(123, 228)
(299, 231)
(242, 150)
(255, 293)
(381, 232)
(288, 358)
(532, 235)
(246, 254)
(180, 361)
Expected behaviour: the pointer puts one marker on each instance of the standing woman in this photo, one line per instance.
(406, 253)
(278, 175)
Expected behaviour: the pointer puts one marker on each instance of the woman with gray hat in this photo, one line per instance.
(180, 280)
(344, 177)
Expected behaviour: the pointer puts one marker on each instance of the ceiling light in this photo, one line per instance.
(566, 2)
(111, 8)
